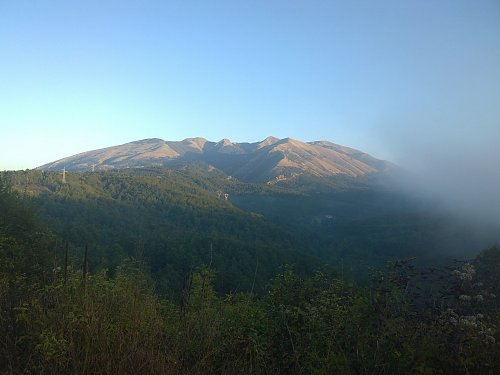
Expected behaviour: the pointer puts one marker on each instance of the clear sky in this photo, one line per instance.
(392, 78)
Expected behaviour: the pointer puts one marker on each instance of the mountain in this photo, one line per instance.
(272, 160)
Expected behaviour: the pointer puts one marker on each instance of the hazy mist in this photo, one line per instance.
(456, 161)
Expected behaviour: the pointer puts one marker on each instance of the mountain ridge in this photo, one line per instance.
(271, 160)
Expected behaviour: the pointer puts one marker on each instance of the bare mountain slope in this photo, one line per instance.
(271, 160)
(131, 154)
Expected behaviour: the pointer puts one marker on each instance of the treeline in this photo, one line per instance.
(56, 319)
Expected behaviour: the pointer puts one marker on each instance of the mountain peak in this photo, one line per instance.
(224, 142)
(288, 140)
(197, 142)
(268, 141)
(194, 140)
(225, 146)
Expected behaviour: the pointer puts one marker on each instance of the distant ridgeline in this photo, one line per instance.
(273, 160)
(193, 213)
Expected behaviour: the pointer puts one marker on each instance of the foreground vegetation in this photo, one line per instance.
(56, 317)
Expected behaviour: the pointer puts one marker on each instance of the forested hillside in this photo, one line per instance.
(174, 220)
(177, 219)
(57, 317)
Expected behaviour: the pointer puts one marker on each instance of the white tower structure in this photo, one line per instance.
(64, 175)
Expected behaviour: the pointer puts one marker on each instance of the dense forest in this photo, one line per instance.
(179, 219)
(174, 220)
(149, 272)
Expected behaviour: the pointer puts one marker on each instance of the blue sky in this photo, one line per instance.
(392, 78)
